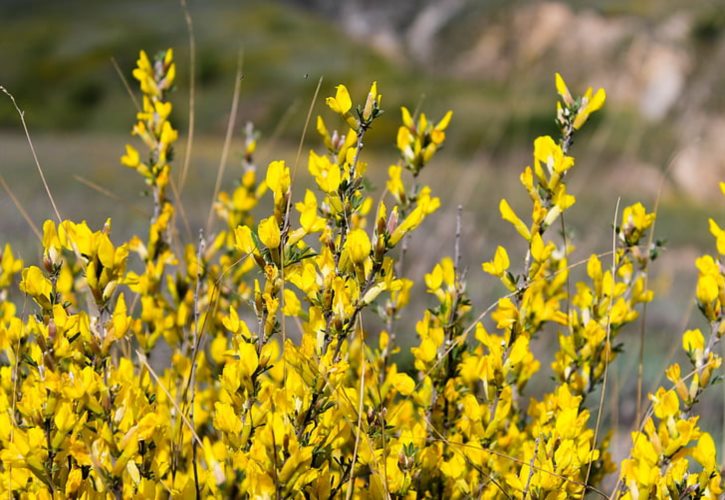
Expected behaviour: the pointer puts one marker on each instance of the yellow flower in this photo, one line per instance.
(131, 159)
(358, 246)
(426, 205)
(589, 104)
(563, 91)
(550, 154)
(248, 359)
(500, 263)
(341, 103)
(705, 452)
(35, 284)
(395, 182)
(225, 419)
(707, 290)
(635, 220)
(278, 179)
(585, 106)
(372, 102)
(75, 477)
(292, 305)
(719, 235)
(326, 174)
(403, 383)
(665, 403)
(269, 233)
(243, 239)
(509, 215)
(310, 221)
(9, 266)
(693, 340)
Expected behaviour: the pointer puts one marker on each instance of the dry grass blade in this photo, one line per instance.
(189, 425)
(289, 199)
(304, 131)
(192, 95)
(269, 145)
(642, 331)
(110, 194)
(213, 304)
(608, 341)
(125, 83)
(227, 138)
(21, 209)
(32, 150)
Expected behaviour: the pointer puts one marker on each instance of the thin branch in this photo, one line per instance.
(531, 467)
(32, 150)
(21, 209)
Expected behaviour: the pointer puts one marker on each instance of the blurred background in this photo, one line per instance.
(492, 62)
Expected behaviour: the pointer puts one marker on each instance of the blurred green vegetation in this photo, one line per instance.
(56, 59)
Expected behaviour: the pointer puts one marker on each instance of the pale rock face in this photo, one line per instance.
(421, 35)
(652, 65)
(645, 65)
(663, 78)
(637, 178)
(541, 28)
(698, 165)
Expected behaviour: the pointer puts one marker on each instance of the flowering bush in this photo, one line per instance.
(277, 388)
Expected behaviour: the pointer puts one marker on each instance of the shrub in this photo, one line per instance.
(276, 388)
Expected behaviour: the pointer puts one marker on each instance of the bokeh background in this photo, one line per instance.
(662, 132)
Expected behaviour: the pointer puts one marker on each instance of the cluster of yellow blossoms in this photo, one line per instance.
(246, 365)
